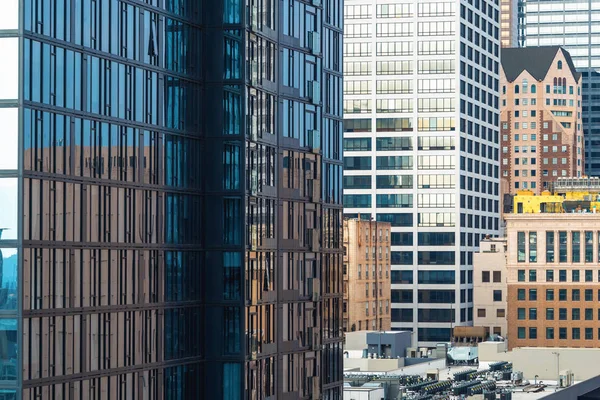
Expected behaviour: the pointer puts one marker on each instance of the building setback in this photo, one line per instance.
(421, 147)
(366, 275)
(489, 286)
(170, 199)
(542, 136)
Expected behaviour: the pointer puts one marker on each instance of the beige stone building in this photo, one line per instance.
(553, 279)
(540, 113)
(367, 286)
(489, 286)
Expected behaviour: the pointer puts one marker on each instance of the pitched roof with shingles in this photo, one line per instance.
(536, 60)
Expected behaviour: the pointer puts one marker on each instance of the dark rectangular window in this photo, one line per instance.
(521, 275)
(497, 295)
(562, 314)
(576, 333)
(402, 277)
(562, 294)
(497, 275)
(576, 295)
(549, 314)
(549, 294)
(549, 275)
(520, 294)
(436, 257)
(589, 246)
(575, 247)
(532, 294)
(521, 246)
(485, 276)
(549, 247)
(532, 275)
(562, 246)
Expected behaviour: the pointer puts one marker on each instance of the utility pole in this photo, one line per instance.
(557, 354)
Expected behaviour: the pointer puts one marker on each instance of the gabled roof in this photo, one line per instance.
(536, 60)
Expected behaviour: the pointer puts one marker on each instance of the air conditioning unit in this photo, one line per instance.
(314, 42)
(314, 92)
(314, 140)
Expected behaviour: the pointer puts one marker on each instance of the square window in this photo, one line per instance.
(500, 313)
(485, 276)
(497, 275)
(497, 295)
(532, 333)
(481, 312)
(533, 314)
(562, 333)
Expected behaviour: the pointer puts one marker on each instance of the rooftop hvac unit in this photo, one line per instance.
(566, 378)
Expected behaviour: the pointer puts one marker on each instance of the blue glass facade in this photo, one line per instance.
(170, 199)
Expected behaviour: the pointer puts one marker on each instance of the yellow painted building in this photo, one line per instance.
(572, 195)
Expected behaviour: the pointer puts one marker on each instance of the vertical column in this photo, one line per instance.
(10, 194)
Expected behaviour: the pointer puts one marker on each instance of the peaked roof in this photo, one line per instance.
(536, 60)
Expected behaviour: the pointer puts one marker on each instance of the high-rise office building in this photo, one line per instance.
(170, 199)
(509, 22)
(421, 147)
(574, 26)
(540, 116)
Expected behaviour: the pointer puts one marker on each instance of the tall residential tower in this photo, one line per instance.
(421, 146)
(170, 199)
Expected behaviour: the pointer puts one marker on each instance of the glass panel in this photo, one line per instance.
(549, 246)
(8, 208)
(562, 238)
(232, 262)
(9, 78)
(576, 246)
(532, 246)
(521, 246)
(9, 15)
(8, 349)
(9, 137)
(589, 246)
(232, 375)
(8, 279)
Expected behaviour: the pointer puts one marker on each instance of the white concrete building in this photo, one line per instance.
(421, 146)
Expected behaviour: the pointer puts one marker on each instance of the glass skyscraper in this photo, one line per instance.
(170, 199)
(573, 25)
(421, 147)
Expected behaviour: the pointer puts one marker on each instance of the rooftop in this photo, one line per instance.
(535, 60)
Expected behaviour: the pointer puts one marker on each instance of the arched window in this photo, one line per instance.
(516, 88)
(533, 89)
(559, 65)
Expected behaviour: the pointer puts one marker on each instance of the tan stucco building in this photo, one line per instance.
(540, 117)
(489, 286)
(367, 286)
